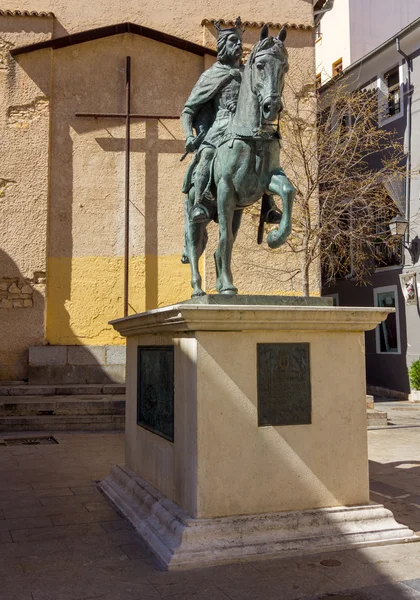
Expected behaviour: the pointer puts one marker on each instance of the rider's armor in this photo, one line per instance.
(227, 97)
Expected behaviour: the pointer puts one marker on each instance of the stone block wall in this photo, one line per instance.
(76, 364)
(21, 116)
(16, 293)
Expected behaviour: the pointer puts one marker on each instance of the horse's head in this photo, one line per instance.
(268, 63)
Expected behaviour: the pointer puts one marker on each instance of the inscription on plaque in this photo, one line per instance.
(284, 384)
(155, 390)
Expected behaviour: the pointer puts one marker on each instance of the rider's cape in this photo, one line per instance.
(208, 86)
(200, 104)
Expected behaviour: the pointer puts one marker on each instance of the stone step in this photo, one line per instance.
(61, 405)
(61, 390)
(377, 418)
(57, 365)
(63, 423)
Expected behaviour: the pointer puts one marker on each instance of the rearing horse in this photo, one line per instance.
(247, 163)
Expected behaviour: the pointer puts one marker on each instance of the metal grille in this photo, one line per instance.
(29, 441)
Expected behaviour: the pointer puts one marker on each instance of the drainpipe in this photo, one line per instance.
(318, 14)
(409, 64)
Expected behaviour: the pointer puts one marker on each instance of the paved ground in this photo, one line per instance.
(60, 540)
(400, 413)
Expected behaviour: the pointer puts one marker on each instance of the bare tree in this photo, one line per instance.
(342, 163)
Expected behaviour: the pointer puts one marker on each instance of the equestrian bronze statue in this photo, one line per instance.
(235, 110)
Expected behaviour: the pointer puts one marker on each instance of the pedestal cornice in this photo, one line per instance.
(184, 317)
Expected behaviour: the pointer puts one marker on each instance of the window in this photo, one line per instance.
(392, 80)
(318, 33)
(337, 67)
(390, 106)
(388, 332)
(318, 81)
(341, 120)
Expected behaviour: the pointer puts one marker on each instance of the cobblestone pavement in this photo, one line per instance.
(60, 539)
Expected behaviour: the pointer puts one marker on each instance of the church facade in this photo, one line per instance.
(69, 256)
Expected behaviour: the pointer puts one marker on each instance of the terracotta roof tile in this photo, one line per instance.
(25, 13)
(231, 22)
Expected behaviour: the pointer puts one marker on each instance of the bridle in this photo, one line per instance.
(273, 50)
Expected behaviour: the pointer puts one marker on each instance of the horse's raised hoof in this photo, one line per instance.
(275, 238)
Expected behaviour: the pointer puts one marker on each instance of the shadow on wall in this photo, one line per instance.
(86, 228)
(22, 307)
(70, 319)
(23, 355)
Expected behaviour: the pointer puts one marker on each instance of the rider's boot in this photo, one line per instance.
(199, 213)
(274, 214)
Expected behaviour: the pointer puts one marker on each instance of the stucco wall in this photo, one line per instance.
(24, 133)
(355, 27)
(86, 227)
(334, 42)
(412, 313)
(374, 22)
(176, 18)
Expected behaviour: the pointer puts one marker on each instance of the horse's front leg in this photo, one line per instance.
(226, 202)
(236, 222)
(282, 187)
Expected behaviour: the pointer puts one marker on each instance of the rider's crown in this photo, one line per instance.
(238, 29)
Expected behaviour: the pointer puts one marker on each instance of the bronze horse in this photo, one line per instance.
(247, 163)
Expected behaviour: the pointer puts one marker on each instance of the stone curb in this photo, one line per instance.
(62, 390)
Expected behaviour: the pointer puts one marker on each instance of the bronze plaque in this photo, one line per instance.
(284, 384)
(155, 390)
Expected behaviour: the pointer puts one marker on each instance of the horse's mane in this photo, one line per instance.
(270, 44)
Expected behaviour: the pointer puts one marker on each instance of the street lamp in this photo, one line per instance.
(398, 227)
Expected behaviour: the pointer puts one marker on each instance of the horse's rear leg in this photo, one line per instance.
(198, 242)
(226, 202)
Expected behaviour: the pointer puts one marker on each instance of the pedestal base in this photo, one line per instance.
(180, 541)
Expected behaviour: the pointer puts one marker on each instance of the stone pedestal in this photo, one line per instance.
(223, 487)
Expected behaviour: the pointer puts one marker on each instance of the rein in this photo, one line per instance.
(262, 100)
(257, 133)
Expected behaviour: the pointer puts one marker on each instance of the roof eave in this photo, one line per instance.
(110, 30)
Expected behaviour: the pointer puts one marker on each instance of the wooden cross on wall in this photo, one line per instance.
(150, 157)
